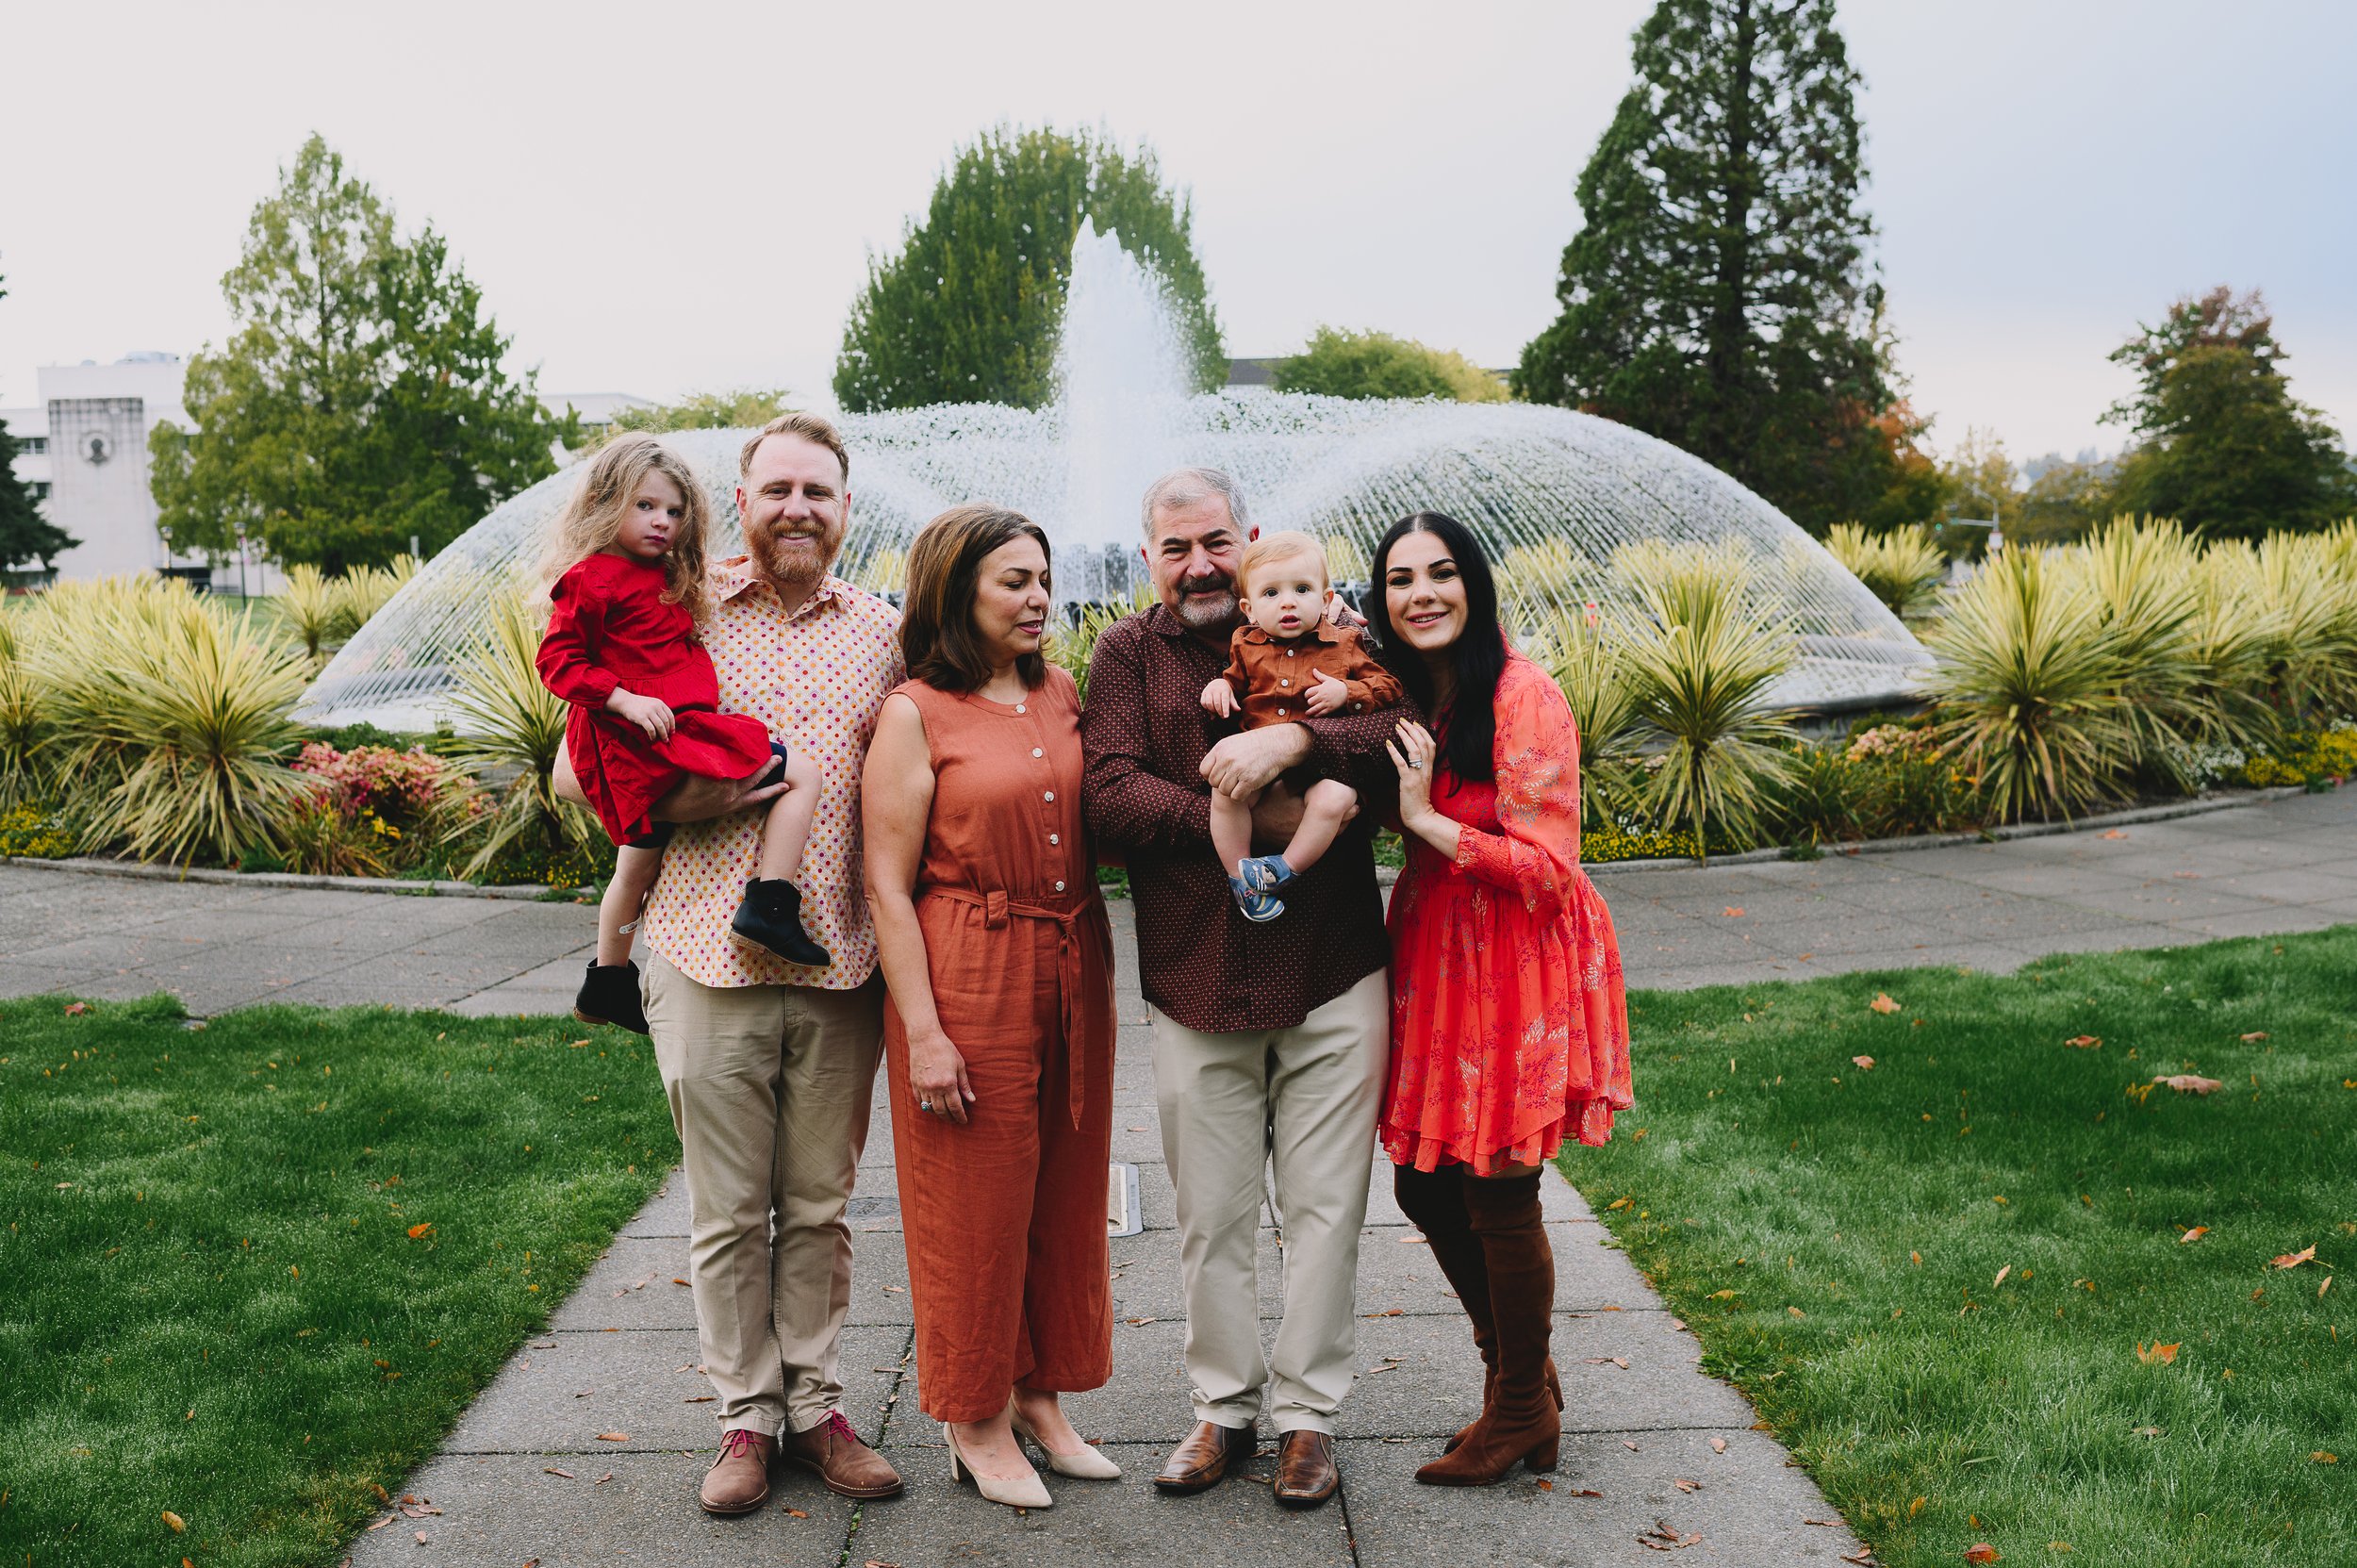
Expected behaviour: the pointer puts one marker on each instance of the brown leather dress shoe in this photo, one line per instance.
(1204, 1456)
(738, 1481)
(835, 1454)
(1305, 1476)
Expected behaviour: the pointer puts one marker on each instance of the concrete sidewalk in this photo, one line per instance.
(620, 1355)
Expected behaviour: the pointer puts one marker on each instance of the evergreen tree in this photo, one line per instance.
(363, 400)
(2226, 448)
(968, 309)
(24, 533)
(1719, 295)
(1378, 365)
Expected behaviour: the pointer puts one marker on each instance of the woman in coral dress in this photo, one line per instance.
(1509, 1023)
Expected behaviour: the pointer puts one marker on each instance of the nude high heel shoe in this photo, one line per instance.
(1027, 1491)
(1086, 1465)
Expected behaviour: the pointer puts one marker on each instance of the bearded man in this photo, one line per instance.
(1270, 1040)
(769, 1066)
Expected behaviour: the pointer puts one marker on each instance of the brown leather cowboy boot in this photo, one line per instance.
(1521, 1423)
(1436, 1201)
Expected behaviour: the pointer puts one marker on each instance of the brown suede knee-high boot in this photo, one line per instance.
(1435, 1200)
(1521, 1423)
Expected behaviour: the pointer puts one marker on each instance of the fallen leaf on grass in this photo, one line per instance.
(2190, 1083)
(419, 1232)
(1864, 1557)
(1717, 1444)
(1863, 1064)
(2001, 1276)
(2293, 1260)
(2321, 1457)
(2147, 1431)
(2084, 1042)
(2156, 1352)
(1981, 1551)
(1796, 1312)
(2326, 1286)
(1723, 1295)
(2255, 1036)
(552, 1470)
(76, 1008)
(179, 1524)
(2193, 1235)
(1619, 1203)
(613, 1437)
(1882, 1003)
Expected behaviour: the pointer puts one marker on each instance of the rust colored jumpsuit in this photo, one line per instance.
(1005, 1216)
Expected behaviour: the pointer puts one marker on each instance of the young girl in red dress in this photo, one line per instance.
(625, 572)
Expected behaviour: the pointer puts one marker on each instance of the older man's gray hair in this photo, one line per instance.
(1187, 486)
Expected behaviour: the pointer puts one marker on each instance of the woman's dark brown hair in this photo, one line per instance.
(937, 635)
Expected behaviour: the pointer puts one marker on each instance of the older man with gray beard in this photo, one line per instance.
(1270, 1040)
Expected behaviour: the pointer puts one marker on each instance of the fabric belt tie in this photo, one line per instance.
(996, 910)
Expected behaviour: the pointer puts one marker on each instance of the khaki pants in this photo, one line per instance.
(769, 1088)
(1301, 1102)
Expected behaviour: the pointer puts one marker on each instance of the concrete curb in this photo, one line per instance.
(92, 865)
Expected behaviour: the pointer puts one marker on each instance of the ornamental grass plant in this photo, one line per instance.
(510, 724)
(311, 606)
(27, 763)
(1902, 567)
(1700, 667)
(170, 718)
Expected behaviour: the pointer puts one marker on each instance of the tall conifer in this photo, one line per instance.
(1721, 296)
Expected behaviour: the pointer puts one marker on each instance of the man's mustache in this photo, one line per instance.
(1210, 582)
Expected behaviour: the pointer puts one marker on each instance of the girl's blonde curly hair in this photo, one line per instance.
(592, 519)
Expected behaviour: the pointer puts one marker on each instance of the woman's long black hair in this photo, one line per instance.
(1468, 730)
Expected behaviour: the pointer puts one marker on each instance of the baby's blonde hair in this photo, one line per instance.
(592, 519)
(1283, 545)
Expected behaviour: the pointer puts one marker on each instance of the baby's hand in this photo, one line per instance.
(1326, 695)
(1220, 698)
(650, 713)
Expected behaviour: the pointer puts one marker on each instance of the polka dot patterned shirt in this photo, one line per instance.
(817, 678)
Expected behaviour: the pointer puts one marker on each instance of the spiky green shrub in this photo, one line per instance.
(2030, 673)
(172, 718)
(1701, 663)
(509, 723)
(1070, 646)
(311, 606)
(1587, 663)
(366, 589)
(27, 763)
(1902, 567)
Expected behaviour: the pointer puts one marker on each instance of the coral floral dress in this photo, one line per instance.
(1510, 1021)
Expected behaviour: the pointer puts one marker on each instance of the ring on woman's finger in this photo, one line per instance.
(1415, 762)
(924, 1105)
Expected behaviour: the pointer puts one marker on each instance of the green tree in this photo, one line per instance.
(2066, 499)
(2226, 448)
(738, 408)
(968, 309)
(362, 400)
(24, 533)
(1347, 364)
(1720, 294)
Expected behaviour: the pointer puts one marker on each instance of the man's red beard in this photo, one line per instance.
(794, 569)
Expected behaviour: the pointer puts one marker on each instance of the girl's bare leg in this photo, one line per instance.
(787, 829)
(634, 877)
(1231, 826)
(1323, 810)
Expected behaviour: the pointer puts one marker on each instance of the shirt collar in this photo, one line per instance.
(733, 576)
(1325, 632)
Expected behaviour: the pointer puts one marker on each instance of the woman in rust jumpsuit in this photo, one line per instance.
(999, 1022)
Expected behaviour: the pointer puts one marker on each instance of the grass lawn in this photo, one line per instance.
(256, 1271)
(1933, 1275)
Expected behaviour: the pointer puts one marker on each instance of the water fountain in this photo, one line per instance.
(1570, 505)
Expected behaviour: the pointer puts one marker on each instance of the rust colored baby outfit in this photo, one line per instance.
(1005, 1216)
(1271, 675)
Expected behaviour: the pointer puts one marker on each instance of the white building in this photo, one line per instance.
(84, 449)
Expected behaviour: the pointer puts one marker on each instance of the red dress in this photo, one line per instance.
(1509, 1023)
(610, 628)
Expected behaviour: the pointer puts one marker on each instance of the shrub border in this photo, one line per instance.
(100, 866)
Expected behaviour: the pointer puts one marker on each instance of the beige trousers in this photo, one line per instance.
(769, 1088)
(1300, 1102)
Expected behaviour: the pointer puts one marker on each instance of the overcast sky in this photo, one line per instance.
(662, 199)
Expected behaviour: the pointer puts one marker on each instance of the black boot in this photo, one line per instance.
(771, 917)
(609, 995)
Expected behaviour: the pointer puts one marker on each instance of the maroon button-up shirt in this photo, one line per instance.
(1144, 732)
